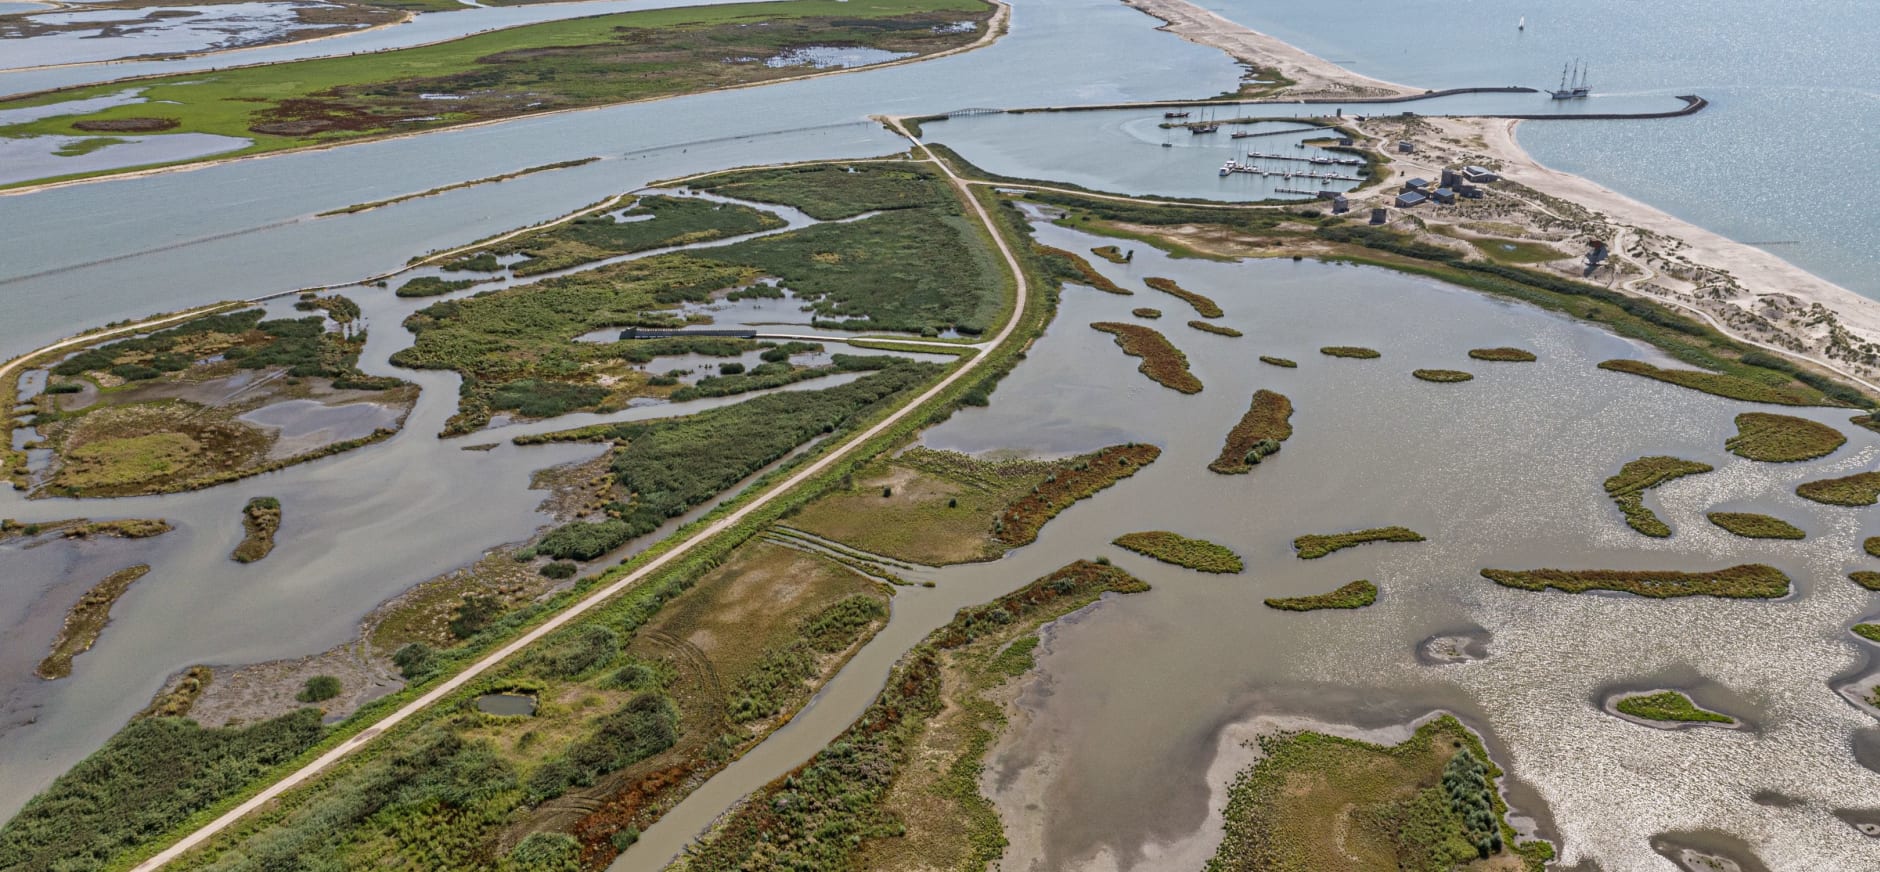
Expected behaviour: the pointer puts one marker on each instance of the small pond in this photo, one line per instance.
(508, 705)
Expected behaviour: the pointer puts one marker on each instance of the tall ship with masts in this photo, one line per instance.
(1573, 82)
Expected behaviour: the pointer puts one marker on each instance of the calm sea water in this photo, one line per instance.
(1794, 97)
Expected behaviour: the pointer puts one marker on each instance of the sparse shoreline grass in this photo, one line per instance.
(1355, 595)
(1258, 434)
(1204, 307)
(1717, 384)
(1442, 376)
(1628, 487)
(86, 621)
(1162, 362)
(1312, 547)
(1859, 489)
(1196, 554)
(1748, 581)
(1669, 706)
(1504, 354)
(1782, 438)
(1750, 525)
(1354, 352)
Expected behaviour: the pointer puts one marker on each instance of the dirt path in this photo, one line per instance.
(649, 569)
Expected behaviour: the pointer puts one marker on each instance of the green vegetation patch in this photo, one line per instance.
(1111, 253)
(833, 191)
(1069, 266)
(1870, 632)
(1627, 489)
(1750, 525)
(86, 620)
(1021, 521)
(1355, 595)
(1865, 578)
(848, 787)
(1670, 706)
(154, 772)
(1503, 354)
(535, 68)
(1748, 581)
(1859, 489)
(1782, 438)
(261, 519)
(1146, 312)
(1351, 351)
(651, 222)
(432, 286)
(1312, 547)
(1204, 307)
(1215, 329)
(1258, 434)
(1429, 804)
(1442, 375)
(1197, 554)
(1717, 383)
(1162, 362)
(1279, 362)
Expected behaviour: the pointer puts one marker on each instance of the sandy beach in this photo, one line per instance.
(1744, 291)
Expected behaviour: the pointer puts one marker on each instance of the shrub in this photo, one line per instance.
(415, 660)
(319, 689)
(732, 368)
(546, 852)
(473, 614)
(558, 570)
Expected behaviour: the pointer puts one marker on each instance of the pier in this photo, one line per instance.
(1321, 161)
(1234, 166)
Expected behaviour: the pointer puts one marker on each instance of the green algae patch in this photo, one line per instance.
(1267, 423)
(1204, 307)
(1196, 554)
(1355, 352)
(1430, 803)
(1280, 362)
(1314, 546)
(1720, 384)
(1503, 354)
(1444, 376)
(1669, 706)
(86, 621)
(1782, 438)
(1215, 329)
(1748, 581)
(1750, 525)
(1628, 488)
(1859, 489)
(1162, 362)
(1355, 595)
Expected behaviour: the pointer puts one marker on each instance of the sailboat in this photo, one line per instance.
(1572, 83)
(1581, 89)
(1522, 25)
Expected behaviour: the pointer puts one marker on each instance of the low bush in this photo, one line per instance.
(319, 689)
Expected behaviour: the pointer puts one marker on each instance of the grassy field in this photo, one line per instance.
(1750, 525)
(899, 788)
(1321, 803)
(1517, 253)
(1257, 435)
(1859, 489)
(1749, 581)
(1197, 554)
(1355, 595)
(1162, 362)
(524, 70)
(1628, 487)
(834, 191)
(1314, 546)
(1782, 438)
(1670, 706)
(932, 507)
(650, 222)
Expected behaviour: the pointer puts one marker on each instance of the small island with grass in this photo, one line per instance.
(1280, 362)
(1146, 312)
(86, 621)
(1162, 362)
(1354, 352)
(261, 519)
(1445, 376)
(1215, 329)
(1312, 547)
(1196, 554)
(1503, 354)
(1782, 438)
(1355, 595)
(1267, 423)
(1859, 489)
(1748, 581)
(1750, 525)
(1628, 488)
(1668, 706)
(1204, 307)
(1112, 254)
(1865, 578)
